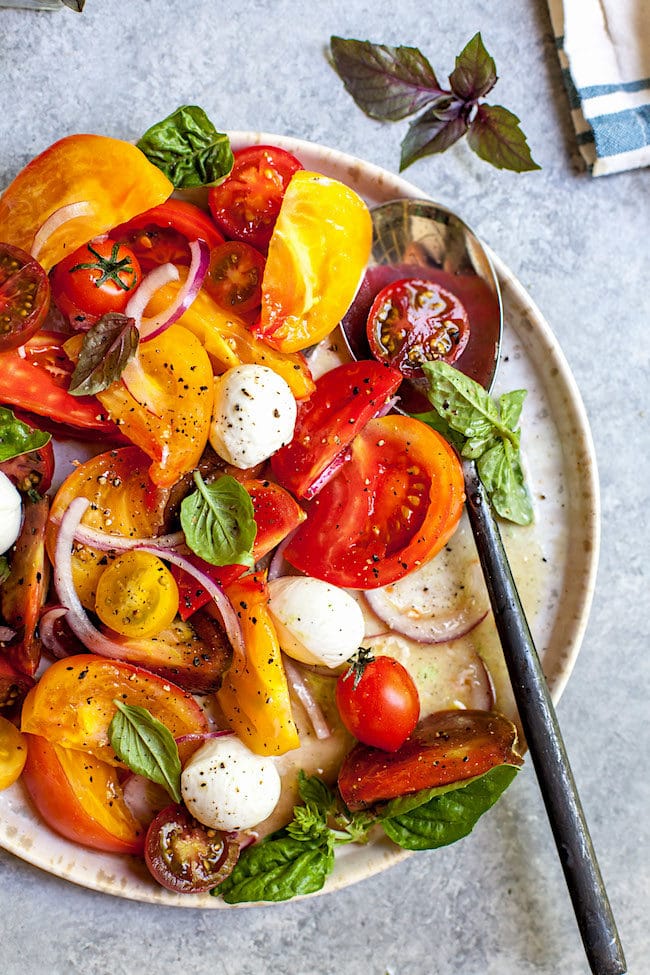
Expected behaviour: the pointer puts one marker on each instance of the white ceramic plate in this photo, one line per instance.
(554, 562)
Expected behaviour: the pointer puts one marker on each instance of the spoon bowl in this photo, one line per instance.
(419, 238)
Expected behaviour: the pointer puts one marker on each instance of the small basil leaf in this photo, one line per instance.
(510, 405)
(107, 348)
(461, 401)
(434, 131)
(146, 746)
(500, 471)
(495, 136)
(5, 569)
(450, 815)
(475, 73)
(387, 83)
(314, 792)
(219, 522)
(18, 438)
(188, 148)
(279, 868)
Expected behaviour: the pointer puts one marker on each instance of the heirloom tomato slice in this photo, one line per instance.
(345, 399)
(387, 511)
(103, 181)
(24, 297)
(14, 686)
(162, 235)
(247, 203)
(80, 797)
(13, 753)
(317, 255)
(72, 704)
(123, 501)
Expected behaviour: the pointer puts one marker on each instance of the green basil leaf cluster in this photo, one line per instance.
(392, 83)
(219, 521)
(107, 348)
(299, 858)
(146, 746)
(484, 430)
(188, 148)
(18, 438)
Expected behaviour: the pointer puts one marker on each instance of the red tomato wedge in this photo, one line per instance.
(36, 379)
(247, 203)
(276, 514)
(162, 234)
(387, 511)
(447, 746)
(24, 296)
(72, 704)
(80, 797)
(345, 399)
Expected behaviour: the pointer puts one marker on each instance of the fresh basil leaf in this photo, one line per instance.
(188, 148)
(450, 815)
(500, 471)
(510, 405)
(219, 522)
(314, 792)
(437, 129)
(387, 83)
(146, 746)
(463, 403)
(279, 868)
(495, 136)
(5, 569)
(18, 438)
(107, 348)
(475, 73)
(76, 5)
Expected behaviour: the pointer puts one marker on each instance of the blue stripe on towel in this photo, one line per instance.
(621, 131)
(595, 91)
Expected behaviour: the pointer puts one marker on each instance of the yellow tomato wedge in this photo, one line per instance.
(172, 425)
(254, 695)
(80, 187)
(317, 255)
(229, 342)
(13, 753)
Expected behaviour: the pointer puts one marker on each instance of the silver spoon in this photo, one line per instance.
(418, 238)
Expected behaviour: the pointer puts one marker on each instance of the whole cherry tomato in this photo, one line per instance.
(378, 701)
(24, 296)
(97, 278)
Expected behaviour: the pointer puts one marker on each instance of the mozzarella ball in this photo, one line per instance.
(11, 513)
(317, 623)
(226, 786)
(254, 415)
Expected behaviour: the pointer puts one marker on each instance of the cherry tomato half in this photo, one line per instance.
(390, 509)
(13, 688)
(378, 701)
(24, 296)
(234, 278)
(98, 277)
(446, 747)
(137, 595)
(247, 203)
(345, 399)
(186, 857)
(163, 234)
(413, 321)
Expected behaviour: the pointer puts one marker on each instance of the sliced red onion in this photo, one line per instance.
(150, 327)
(76, 617)
(55, 220)
(277, 566)
(47, 631)
(223, 604)
(104, 542)
(6, 634)
(299, 686)
(144, 798)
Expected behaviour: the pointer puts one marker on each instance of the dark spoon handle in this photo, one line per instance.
(590, 903)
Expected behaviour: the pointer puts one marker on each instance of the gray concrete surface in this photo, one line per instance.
(495, 904)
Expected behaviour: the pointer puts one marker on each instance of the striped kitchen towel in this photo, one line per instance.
(604, 49)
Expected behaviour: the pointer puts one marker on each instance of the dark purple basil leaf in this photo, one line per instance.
(495, 136)
(106, 349)
(475, 73)
(387, 83)
(434, 131)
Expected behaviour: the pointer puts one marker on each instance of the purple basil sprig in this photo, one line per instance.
(392, 83)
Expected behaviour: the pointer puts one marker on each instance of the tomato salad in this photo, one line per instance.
(209, 628)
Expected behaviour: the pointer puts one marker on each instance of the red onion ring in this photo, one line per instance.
(150, 327)
(104, 542)
(56, 219)
(47, 632)
(313, 709)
